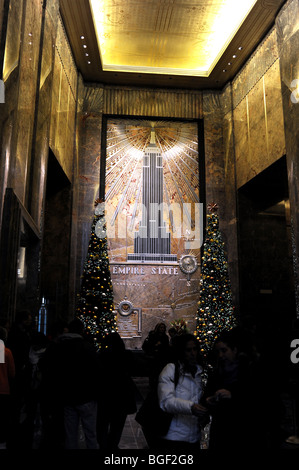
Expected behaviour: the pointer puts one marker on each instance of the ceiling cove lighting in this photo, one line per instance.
(174, 38)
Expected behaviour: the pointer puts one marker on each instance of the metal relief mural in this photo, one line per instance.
(152, 212)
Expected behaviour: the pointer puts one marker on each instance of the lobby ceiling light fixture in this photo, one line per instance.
(85, 47)
(132, 38)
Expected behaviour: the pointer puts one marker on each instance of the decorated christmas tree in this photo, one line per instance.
(215, 307)
(95, 305)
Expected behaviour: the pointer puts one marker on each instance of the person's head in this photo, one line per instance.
(113, 343)
(160, 328)
(187, 350)
(172, 332)
(58, 328)
(76, 326)
(24, 319)
(3, 334)
(226, 348)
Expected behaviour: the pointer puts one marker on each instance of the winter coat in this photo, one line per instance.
(70, 371)
(7, 372)
(117, 390)
(179, 400)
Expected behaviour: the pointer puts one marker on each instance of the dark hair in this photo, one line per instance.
(76, 326)
(229, 338)
(172, 330)
(3, 334)
(180, 343)
(22, 315)
(156, 329)
(114, 343)
(238, 338)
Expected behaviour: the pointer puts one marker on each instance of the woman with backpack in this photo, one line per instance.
(181, 396)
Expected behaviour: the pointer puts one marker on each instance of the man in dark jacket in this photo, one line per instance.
(72, 374)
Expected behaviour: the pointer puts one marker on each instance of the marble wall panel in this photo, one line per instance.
(274, 113)
(259, 62)
(61, 129)
(13, 37)
(57, 72)
(1, 14)
(288, 43)
(220, 173)
(257, 132)
(8, 110)
(213, 143)
(6, 138)
(258, 126)
(242, 148)
(87, 182)
(230, 213)
(64, 103)
(28, 76)
(41, 148)
(66, 56)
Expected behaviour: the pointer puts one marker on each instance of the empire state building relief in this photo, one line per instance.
(153, 215)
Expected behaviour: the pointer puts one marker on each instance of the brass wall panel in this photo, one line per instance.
(255, 68)
(157, 103)
(13, 37)
(257, 112)
(64, 96)
(38, 175)
(28, 77)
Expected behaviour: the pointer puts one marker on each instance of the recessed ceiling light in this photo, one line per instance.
(234, 56)
(88, 62)
(224, 70)
(222, 28)
(87, 54)
(240, 48)
(84, 45)
(82, 37)
(229, 63)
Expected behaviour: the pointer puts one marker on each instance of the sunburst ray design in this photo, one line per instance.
(127, 140)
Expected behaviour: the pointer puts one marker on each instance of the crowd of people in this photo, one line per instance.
(63, 382)
(66, 384)
(231, 392)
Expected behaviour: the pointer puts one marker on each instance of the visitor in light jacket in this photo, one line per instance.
(182, 399)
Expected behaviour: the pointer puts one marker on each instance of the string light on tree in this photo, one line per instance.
(95, 305)
(215, 307)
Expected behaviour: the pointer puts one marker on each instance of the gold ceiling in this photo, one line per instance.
(178, 37)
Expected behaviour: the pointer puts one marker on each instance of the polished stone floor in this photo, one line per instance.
(133, 437)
